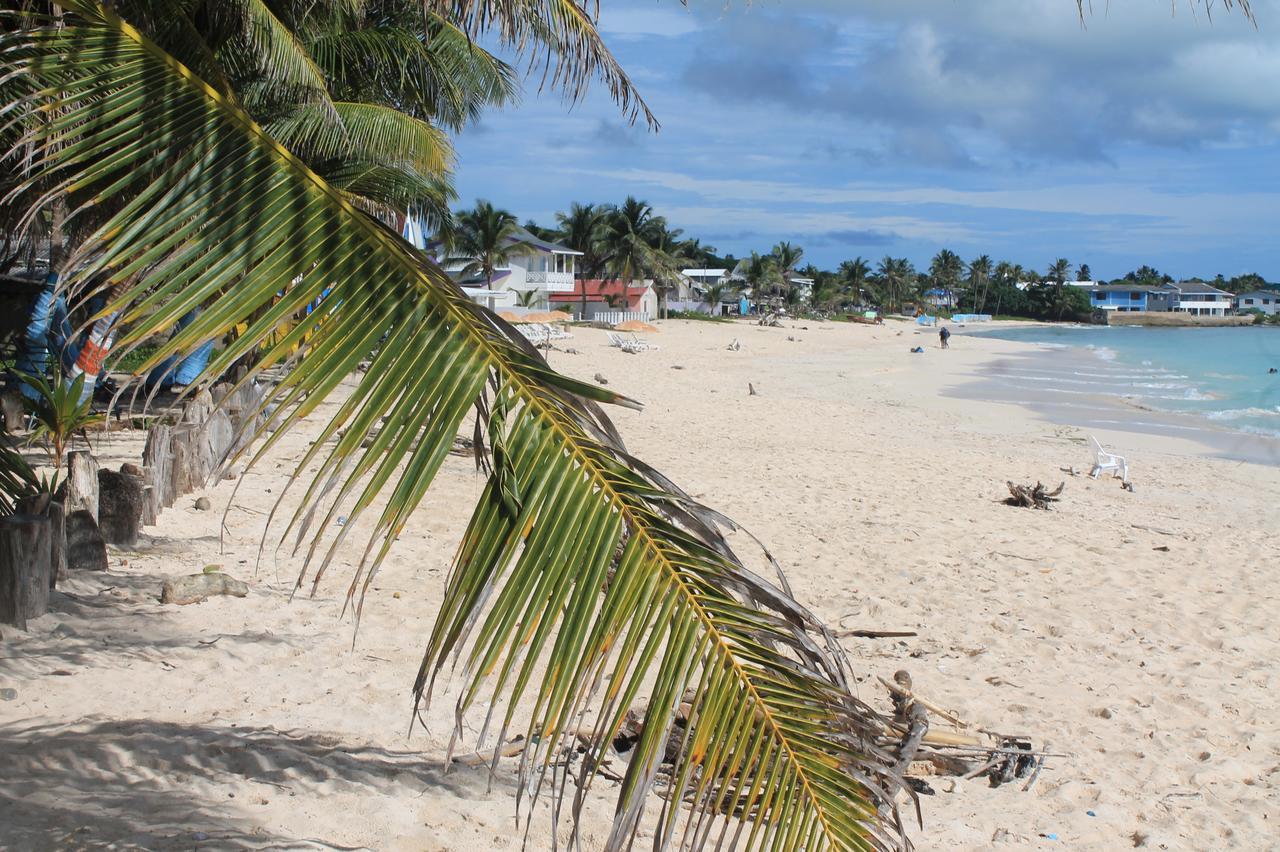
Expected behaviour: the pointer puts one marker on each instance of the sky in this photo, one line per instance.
(1144, 135)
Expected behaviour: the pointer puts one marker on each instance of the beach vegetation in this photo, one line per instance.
(60, 411)
(585, 579)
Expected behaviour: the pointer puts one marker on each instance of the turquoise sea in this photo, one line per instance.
(1213, 379)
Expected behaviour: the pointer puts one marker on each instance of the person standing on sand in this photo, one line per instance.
(944, 335)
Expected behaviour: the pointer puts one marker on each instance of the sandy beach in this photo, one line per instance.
(1133, 632)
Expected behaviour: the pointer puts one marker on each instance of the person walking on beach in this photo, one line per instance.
(944, 335)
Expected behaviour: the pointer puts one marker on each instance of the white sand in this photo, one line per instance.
(252, 722)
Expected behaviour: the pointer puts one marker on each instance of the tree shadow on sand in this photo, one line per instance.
(144, 784)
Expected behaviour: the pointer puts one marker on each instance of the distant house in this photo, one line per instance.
(1265, 301)
(1126, 297)
(600, 296)
(534, 265)
(940, 297)
(1203, 300)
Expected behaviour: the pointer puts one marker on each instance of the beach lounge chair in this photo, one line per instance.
(1104, 461)
(642, 344)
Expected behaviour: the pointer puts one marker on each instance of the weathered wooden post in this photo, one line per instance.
(12, 411)
(81, 486)
(24, 569)
(86, 548)
(157, 467)
(119, 506)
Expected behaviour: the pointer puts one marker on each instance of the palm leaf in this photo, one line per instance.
(585, 580)
(559, 40)
(364, 131)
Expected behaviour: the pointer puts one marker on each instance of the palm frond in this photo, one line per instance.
(559, 40)
(368, 132)
(585, 580)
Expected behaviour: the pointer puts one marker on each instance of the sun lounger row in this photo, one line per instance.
(629, 343)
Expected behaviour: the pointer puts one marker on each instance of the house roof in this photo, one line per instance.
(1121, 288)
(597, 289)
(704, 273)
(1199, 287)
(1266, 294)
(523, 236)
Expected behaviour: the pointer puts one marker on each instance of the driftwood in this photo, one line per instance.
(24, 569)
(81, 487)
(1037, 497)
(1000, 757)
(119, 506)
(86, 548)
(198, 587)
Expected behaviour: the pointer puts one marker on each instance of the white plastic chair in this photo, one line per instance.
(1104, 461)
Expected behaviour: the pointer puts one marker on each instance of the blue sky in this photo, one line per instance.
(874, 127)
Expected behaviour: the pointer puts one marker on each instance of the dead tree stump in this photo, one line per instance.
(219, 435)
(119, 506)
(81, 487)
(24, 569)
(86, 548)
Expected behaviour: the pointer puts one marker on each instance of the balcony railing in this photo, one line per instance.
(552, 282)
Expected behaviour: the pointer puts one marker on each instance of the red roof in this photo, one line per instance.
(597, 289)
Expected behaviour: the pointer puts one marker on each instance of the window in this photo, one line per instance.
(1250, 301)
(1135, 297)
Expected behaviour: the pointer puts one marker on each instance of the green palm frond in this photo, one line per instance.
(558, 38)
(274, 48)
(585, 581)
(364, 131)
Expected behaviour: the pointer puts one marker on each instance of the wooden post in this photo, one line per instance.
(157, 466)
(44, 506)
(86, 548)
(12, 411)
(82, 483)
(191, 461)
(119, 506)
(24, 569)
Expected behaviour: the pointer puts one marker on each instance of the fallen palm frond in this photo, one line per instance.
(584, 579)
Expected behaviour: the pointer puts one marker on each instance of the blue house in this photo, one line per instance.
(1119, 297)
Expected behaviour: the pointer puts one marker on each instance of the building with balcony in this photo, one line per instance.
(1202, 300)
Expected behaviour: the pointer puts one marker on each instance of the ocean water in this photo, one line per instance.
(1213, 379)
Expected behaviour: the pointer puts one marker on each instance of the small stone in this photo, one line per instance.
(202, 504)
(8, 694)
(395, 595)
(131, 469)
(601, 379)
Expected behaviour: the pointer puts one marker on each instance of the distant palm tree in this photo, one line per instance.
(485, 236)
(1058, 273)
(945, 272)
(628, 238)
(786, 259)
(758, 271)
(853, 277)
(979, 281)
(713, 295)
(1084, 273)
(582, 229)
(898, 276)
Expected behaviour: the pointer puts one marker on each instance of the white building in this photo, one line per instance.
(1202, 300)
(1266, 301)
(534, 265)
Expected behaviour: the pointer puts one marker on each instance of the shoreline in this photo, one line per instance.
(1130, 630)
(1108, 412)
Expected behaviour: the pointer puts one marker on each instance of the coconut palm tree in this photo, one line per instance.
(486, 238)
(853, 277)
(979, 280)
(758, 271)
(1058, 273)
(945, 271)
(582, 229)
(898, 277)
(713, 295)
(584, 576)
(630, 233)
(786, 259)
